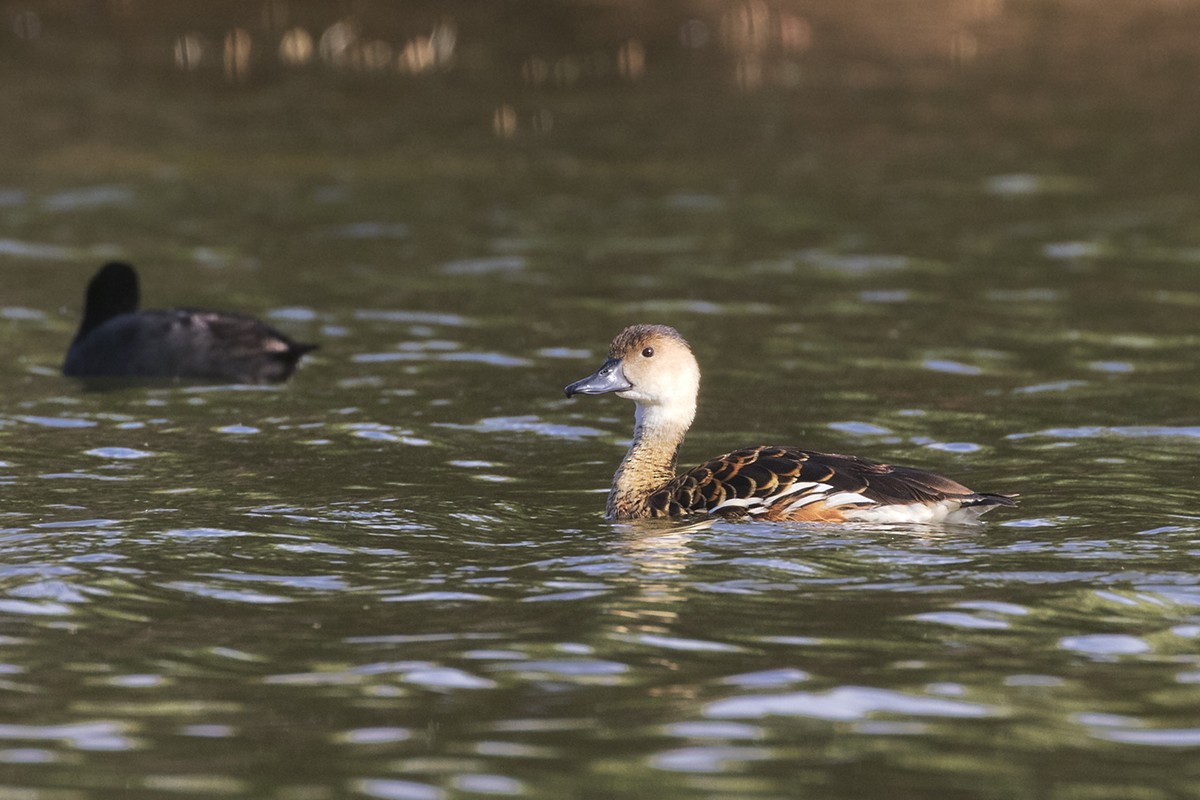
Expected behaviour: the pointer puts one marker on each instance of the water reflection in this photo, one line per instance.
(757, 44)
(658, 557)
(341, 46)
(237, 50)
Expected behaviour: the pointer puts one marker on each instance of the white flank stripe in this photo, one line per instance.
(803, 501)
(845, 498)
(740, 502)
(798, 487)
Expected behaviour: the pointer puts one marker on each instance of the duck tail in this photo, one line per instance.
(986, 500)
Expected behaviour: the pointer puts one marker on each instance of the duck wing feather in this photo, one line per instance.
(778, 483)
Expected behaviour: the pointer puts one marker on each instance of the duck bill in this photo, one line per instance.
(609, 378)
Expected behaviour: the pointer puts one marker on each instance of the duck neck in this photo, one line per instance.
(650, 463)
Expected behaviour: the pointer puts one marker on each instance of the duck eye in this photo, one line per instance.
(648, 352)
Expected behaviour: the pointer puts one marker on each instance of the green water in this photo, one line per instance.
(961, 236)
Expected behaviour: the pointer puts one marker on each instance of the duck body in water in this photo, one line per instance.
(116, 340)
(653, 366)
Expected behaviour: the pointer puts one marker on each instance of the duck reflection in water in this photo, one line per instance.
(659, 553)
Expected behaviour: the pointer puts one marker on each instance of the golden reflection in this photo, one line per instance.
(189, 52)
(795, 32)
(336, 43)
(631, 59)
(417, 56)
(504, 122)
(237, 55)
(296, 47)
(746, 27)
(428, 53)
(376, 56)
(445, 42)
(535, 71)
(764, 43)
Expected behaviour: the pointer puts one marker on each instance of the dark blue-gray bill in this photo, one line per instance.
(609, 378)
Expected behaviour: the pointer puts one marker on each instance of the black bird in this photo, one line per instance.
(116, 340)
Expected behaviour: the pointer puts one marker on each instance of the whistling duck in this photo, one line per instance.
(653, 366)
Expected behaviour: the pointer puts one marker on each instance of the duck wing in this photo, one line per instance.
(786, 483)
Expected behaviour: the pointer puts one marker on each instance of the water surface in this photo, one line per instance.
(960, 237)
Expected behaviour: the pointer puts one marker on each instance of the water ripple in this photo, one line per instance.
(1161, 737)
(708, 759)
(220, 593)
(118, 453)
(408, 317)
(393, 789)
(1105, 644)
(843, 703)
(527, 423)
(101, 735)
(1130, 431)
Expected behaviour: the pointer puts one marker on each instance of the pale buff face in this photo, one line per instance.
(659, 364)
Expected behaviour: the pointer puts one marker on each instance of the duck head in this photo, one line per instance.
(653, 366)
